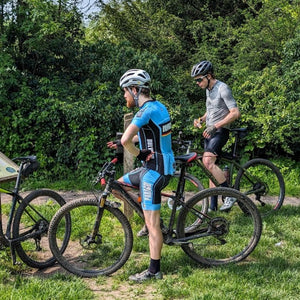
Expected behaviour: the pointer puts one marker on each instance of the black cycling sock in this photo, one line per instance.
(214, 199)
(154, 266)
(224, 184)
(214, 202)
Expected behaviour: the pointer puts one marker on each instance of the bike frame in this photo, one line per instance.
(16, 198)
(232, 160)
(6, 238)
(120, 187)
(233, 164)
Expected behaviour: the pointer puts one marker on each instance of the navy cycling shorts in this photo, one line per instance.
(217, 141)
(150, 184)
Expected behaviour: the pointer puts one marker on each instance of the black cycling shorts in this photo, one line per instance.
(217, 141)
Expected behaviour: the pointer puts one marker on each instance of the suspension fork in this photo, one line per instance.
(99, 215)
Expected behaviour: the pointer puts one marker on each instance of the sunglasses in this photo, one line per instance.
(198, 80)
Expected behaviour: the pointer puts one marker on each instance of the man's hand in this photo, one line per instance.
(114, 144)
(209, 131)
(198, 123)
(143, 155)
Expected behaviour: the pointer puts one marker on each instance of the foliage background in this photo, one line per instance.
(59, 93)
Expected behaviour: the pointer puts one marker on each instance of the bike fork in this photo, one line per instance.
(95, 237)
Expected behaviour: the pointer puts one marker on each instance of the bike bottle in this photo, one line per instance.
(227, 174)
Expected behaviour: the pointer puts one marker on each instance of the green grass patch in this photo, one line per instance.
(272, 271)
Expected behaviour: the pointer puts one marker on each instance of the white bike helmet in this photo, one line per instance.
(202, 68)
(135, 77)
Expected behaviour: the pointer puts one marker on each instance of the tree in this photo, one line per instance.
(267, 90)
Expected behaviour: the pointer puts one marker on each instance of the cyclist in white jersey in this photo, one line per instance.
(221, 111)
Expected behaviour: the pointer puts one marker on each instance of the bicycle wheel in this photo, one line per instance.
(192, 186)
(32, 222)
(220, 238)
(106, 254)
(263, 183)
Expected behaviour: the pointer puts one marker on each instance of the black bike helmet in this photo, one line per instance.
(202, 68)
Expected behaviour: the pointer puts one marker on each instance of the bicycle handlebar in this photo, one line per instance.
(106, 170)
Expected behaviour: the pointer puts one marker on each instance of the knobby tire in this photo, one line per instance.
(223, 237)
(264, 175)
(32, 218)
(111, 248)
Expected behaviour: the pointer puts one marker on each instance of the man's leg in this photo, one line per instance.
(134, 196)
(151, 186)
(152, 219)
(209, 161)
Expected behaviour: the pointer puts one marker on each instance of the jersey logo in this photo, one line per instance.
(140, 113)
(166, 128)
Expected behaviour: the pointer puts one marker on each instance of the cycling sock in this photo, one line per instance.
(224, 184)
(154, 266)
(214, 202)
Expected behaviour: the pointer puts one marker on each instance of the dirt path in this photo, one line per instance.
(107, 287)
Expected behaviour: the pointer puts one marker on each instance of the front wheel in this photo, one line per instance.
(221, 237)
(263, 183)
(91, 254)
(30, 227)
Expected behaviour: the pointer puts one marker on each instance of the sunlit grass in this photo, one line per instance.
(272, 271)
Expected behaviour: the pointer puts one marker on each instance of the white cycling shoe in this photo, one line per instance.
(228, 203)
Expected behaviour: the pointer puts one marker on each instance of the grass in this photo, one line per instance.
(272, 271)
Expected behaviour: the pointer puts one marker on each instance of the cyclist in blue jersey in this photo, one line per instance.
(151, 125)
(221, 111)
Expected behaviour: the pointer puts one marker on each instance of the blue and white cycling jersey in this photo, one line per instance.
(154, 123)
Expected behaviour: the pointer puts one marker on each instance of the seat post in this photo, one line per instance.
(180, 186)
(234, 152)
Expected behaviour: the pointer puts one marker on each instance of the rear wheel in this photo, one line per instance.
(221, 237)
(192, 185)
(263, 183)
(32, 222)
(86, 256)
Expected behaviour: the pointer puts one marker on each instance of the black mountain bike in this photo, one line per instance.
(101, 236)
(28, 220)
(258, 178)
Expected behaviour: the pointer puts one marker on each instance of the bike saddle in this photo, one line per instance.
(30, 158)
(239, 129)
(187, 157)
(241, 132)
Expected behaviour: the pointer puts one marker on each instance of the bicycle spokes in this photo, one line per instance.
(220, 237)
(263, 183)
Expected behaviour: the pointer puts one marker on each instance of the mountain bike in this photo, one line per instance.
(258, 178)
(101, 237)
(28, 219)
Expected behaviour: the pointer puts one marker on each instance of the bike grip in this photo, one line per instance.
(102, 181)
(114, 161)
